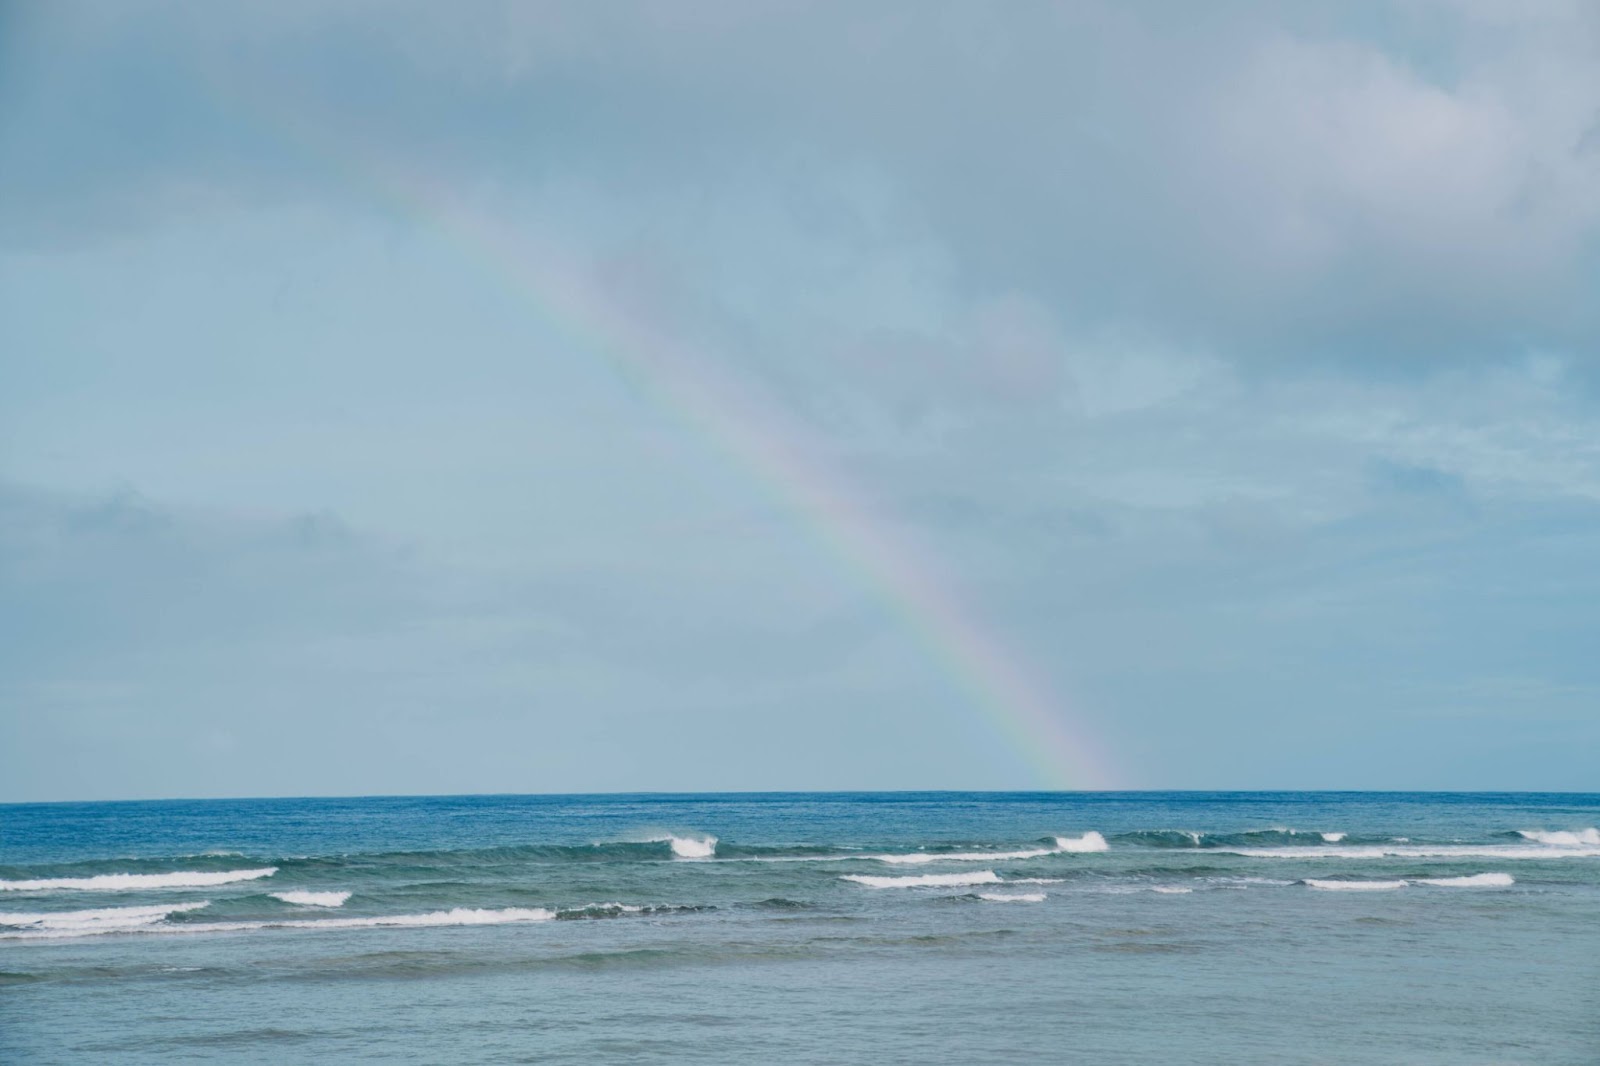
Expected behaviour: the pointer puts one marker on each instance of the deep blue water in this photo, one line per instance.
(827, 928)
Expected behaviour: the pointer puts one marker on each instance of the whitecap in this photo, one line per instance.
(920, 857)
(687, 847)
(455, 916)
(1172, 890)
(458, 916)
(1089, 842)
(1016, 897)
(1563, 838)
(129, 882)
(1495, 880)
(981, 877)
(1353, 886)
(99, 920)
(1415, 851)
(1333, 838)
(587, 908)
(312, 899)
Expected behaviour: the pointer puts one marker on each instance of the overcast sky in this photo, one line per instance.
(1234, 367)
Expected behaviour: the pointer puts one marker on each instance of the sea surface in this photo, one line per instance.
(805, 928)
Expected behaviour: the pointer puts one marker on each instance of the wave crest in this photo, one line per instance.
(131, 882)
(457, 916)
(687, 847)
(919, 857)
(99, 920)
(981, 877)
(312, 899)
(1089, 842)
(1496, 880)
(1563, 838)
(1353, 886)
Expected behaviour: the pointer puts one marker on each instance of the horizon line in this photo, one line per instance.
(823, 792)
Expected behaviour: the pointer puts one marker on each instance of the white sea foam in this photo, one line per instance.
(100, 920)
(1563, 838)
(1473, 881)
(1015, 897)
(625, 908)
(1333, 838)
(458, 916)
(1415, 851)
(1036, 881)
(919, 857)
(1491, 880)
(1090, 841)
(312, 899)
(129, 882)
(1172, 890)
(981, 877)
(687, 847)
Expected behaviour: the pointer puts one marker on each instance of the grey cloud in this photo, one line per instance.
(1230, 358)
(1375, 182)
(152, 650)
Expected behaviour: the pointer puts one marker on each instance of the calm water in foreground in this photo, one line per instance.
(827, 928)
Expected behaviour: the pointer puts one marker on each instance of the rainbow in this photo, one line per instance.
(1012, 697)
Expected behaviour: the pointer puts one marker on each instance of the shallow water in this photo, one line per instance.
(837, 928)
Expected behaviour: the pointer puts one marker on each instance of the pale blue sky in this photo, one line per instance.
(1237, 365)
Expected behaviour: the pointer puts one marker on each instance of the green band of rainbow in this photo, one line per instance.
(1014, 699)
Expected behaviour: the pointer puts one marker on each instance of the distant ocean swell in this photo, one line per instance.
(668, 873)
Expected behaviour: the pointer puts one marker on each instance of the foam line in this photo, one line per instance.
(1473, 881)
(312, 899)
(1353, 886)
(982, 877)
(130, 882)
(919, 857)
(99, 920)
(1412, 851)
(458, 916)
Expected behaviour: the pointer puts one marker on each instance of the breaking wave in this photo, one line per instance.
(1491, 880)
(457, 916)
(981, 877)
(1089, 842)
(1563, 838)
(918, 857)
(1471, 881)
(131, 882)
(100, 920)
(1353, 886)
(312, 899)
(1415, 851)
(1014, 897)
(687, 847)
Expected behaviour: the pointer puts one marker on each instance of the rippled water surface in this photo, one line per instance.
(829, 928)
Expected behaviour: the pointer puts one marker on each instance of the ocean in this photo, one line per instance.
(805, 928)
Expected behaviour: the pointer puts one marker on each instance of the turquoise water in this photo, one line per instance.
(828, 928)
